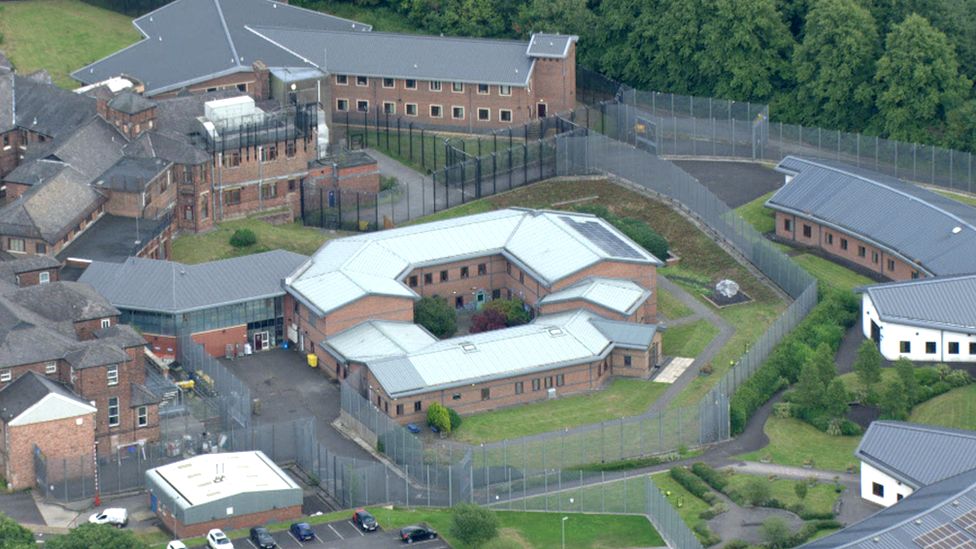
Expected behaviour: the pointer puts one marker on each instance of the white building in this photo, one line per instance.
(927, 320)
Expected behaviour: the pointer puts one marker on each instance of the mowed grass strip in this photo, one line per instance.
(758, 215)
(792, 442)
(688, 340)
(967, 199)
(213, 245)
(670, 307)
(61, 36)
(956, 409)
(623, 397)
(831, 273)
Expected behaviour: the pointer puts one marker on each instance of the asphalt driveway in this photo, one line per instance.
(736, 183)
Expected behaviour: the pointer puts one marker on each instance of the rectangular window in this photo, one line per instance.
(904, 346)
(417, 406)
(443, 276)
(535, 384)
(508, 268)
(411, 109)
(484, 115)
(519, 387)
(113, 411)
(342, 105)
(953, 348)
(51, 368)
(389, 107)
(15, 244)
(457, 87)
(434, 85)
(456, 396)
(342, 79)
(142, 416)
(874, 257)
(269, 153)
(240, 88)
(410, 84)
(807, 231)
(787, 224)
(106, 322)
(40, 248)
(891, 265)
(496, 294)
(548, 382)
(399, 409)
(5, 375)
(628, 360)
(843, 243)
(830, 239)
(877, 489)
(290, 149)
(413, 281)
(44, 277)
(560, 380)
(521, 278)
(482, 89)
(485, 394)
(436, 111)
(112, 374)
(292, 184)
(232, 197)
(504, 90)
(232, 159)
(464, 272)
(389, 83)
(505, 115)
(362, 81)
(362, 105)
(862, 251)
(914, 275)
(930, 347)
(428, 278)
(457, 113)
(482, 269)
(972, 348)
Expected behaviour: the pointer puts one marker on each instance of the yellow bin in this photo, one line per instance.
(313, 360)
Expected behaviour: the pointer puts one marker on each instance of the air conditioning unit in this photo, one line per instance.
(552, 393)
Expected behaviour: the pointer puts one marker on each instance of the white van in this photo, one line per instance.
(115, 516)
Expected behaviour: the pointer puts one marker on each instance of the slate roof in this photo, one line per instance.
(26, 264)
(64, 301)
(25, 391)
(95, 353)
(214, 31)
(132, 174)
(942, 303)
(917, 455)
(49, 110)
(921, 227)
(26, 337)
(130, 103)
(167, 286)
(36, 171)
(6, 99)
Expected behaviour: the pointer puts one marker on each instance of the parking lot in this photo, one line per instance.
(342, 534)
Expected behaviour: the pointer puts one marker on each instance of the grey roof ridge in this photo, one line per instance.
(877, 462)
(645, 294)
(177, 85)
(410, 36)
(135, 21)
(378, 325)
(915, 282)
(282, 46)
(223, 24)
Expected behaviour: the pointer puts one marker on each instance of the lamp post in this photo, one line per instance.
(563, 530)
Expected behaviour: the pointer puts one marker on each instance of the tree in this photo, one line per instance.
(961, 126)
(836, 399)
(756, 491)
(14, 536)
(906, 374)
(512, 309)
(809, 394)
(558, 16)
(437, 315)
(472, 524)
(823, 361)
(867, 367)
(835, 65)
(87, 536)
(776, 532)
(487, 320)
(800, 489)
(439, 417)
(918, 80)
(893, 403)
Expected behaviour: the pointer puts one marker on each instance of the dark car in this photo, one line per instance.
(412, 427)
(365, 520)
(262, 539)
(302, 531)
(417, 532)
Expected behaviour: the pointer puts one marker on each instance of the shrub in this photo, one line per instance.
(713, 511)
(472, 524)
(439, 417)
(692, 483)
(775, 532)
(738, 544)
(387, 183)
(710, 475)
(242, 238)
(756, 491)
(705, 534)
(635, 229)
(800, 489)
(437, 315)
(512, 310)
(487, 320)
(958, 378)
(455, 419)
(808, 530)
(926, 376)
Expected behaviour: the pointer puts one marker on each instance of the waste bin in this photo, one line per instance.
(313, 360)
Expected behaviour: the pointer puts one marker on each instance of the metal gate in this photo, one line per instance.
(40, 471)
(460, 481)
(645, 134)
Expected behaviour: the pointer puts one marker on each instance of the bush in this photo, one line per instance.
(242, 238)
(738, 544)
(926, 376)
(437, 315)
(487, 320)
(958, 378)
(775, 532)
(710, 475)
(13, 534)
(472, 524)
(693, 484)
(439, 417)
(705, 534)
(713, 511)
(455, 419)
(756, 492)
(387, 183)
(512, 310)
(808, 530)
(800, 489)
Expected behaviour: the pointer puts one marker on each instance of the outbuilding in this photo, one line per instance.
(228, 491)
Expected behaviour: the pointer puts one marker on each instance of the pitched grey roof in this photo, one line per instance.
(64, 301)
(626, 334)
(113, 238)
(166, 286)
(26, 337)
(36, 171)
(213, 30)
(917, 455)
(130, 103)
(934, 232)
(27, 390)
(122, 334)
(132, 174)
(29, 263)
(50, 210)
(142, 396)
(943, 303)
(6, 98)
(95, 353)
(406, 56)
(552, 46)
(49, 110)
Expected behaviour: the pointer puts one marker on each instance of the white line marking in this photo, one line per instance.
(298, 541)
(336, 531)
(251, 543)
(356, 528)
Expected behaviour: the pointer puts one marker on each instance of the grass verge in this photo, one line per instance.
(953, 409)
(831, 273)
(213, 245)
(792, 442)
(688, 506)
(964, 198)
(670, 307)
(758, 215)
(688, 340)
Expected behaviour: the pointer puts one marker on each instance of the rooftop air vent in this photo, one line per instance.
(468, 347)
(555, 331)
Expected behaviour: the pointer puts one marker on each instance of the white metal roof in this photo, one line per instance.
(210, 477)
(622, 296)
(53, 407)
(551, 245)
(379, 339)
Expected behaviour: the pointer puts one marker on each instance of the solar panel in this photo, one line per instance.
(595, 232)
(946, 536)
(967, 522)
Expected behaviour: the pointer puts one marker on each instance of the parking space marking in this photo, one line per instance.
(298, 541)
(251, 543)
(358, 531)
(336, 531)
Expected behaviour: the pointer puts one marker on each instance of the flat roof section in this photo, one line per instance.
(211, 477)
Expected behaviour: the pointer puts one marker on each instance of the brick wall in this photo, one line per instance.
(554, 82)
(32, 278)
(58, 439)
(215, 341)
(246, 81)
(364, 178)
(160, 194)
(162, 345)
(239, 175)
(84, 329)
(227, 523)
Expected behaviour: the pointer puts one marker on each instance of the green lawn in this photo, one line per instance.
(820, 496)
(964, 198)
(957, 409)
(831, 273)
(688, 340)
(688, 506)
(758, 215)
(791, 442)
(623, 397)
(669, 307)
(213, 245)
(426, 152)
(61, 35)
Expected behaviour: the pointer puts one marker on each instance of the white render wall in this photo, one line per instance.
(893, 334)
(892, 487)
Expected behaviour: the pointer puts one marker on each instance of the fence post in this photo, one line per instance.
(423, 155)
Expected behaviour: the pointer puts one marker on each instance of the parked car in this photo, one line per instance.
(216, 539)
(116, 516)
(176, 544)
(365, 520)
(302, 531)
(412, 427)
(417, 532)
(262, 539)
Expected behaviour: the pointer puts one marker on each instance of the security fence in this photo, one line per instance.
(212, 380)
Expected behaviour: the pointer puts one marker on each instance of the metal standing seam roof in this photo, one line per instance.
(552, 46)
(214, 31)
(375, 339)
(933, 232)
(942, 303)
(547, 244)
(622, 296)
(170, 287)
(550, 341)
(917, 455)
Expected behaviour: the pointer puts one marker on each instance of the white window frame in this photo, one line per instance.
(112, 374)
(481, 110)
(345, 79)
(390, 104)
(13, 249)
(6, 375)
(358, 101)
(487, 89)
(457, 87)
(142, 416)
(504, 91)
(435, 86)
(406, 109)
(365, 80)
(453, 110)
(391, 87)
(43, 277)
(51, 367)
(501, 117)
(339, 108)
(117, 411)
(406, 83)
(439, 108)
(106, 323)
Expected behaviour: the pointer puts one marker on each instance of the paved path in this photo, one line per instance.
(744, 522)
(735, 183)
(674, 369)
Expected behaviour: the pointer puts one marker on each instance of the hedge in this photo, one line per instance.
(693, 484)
(705, 534)
(710, 475)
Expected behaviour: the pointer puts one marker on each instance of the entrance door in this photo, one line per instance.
(875, 332)
(479, 298)
(541, 110)
(332, 199)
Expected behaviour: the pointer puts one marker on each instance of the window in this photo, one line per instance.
(410, 84)
(292, 184)
(362, 81)
(485, 394)
(560, 380)
(428, 278)
(290, 149)
(457, 87)
(843, 243)
(861, 251)
(496, 294)
(508, 268)
(40, 248)
(914, 275)
(972, 348)
(930, 347)
(505, 115)
(519, 387)
(628, 360)
(389, 83)
(142, 416)
(43, 277)
(242, 88)
(830, 239)
(15, 244)
(436, 111)
(953, 348)
(269, 190)
(362, 105)
(232, 197)
(342, 79)
(787, 224)
(5, 375)
(521, 277)
(877, 489)
(484, 115)
(504, 90)
(51, 367)
(413, 281)
(807, 231)
(482, 269)
(456, 396)
(434, 85)
(106, 322)
(399, 409)
(232, 159)
(211, 90)
(457, 113)
(411, 109)
(342, 105)
(417, 406)
(891, 264)
(874, 257)
(464, 272)
(535, 384)
(904, 346)
(113, 411)
(269, 152)
(482, 89)
(389, 107)
(548, 382)
(443, 276)
(204, 208)
(112, 374)
(386, 407)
